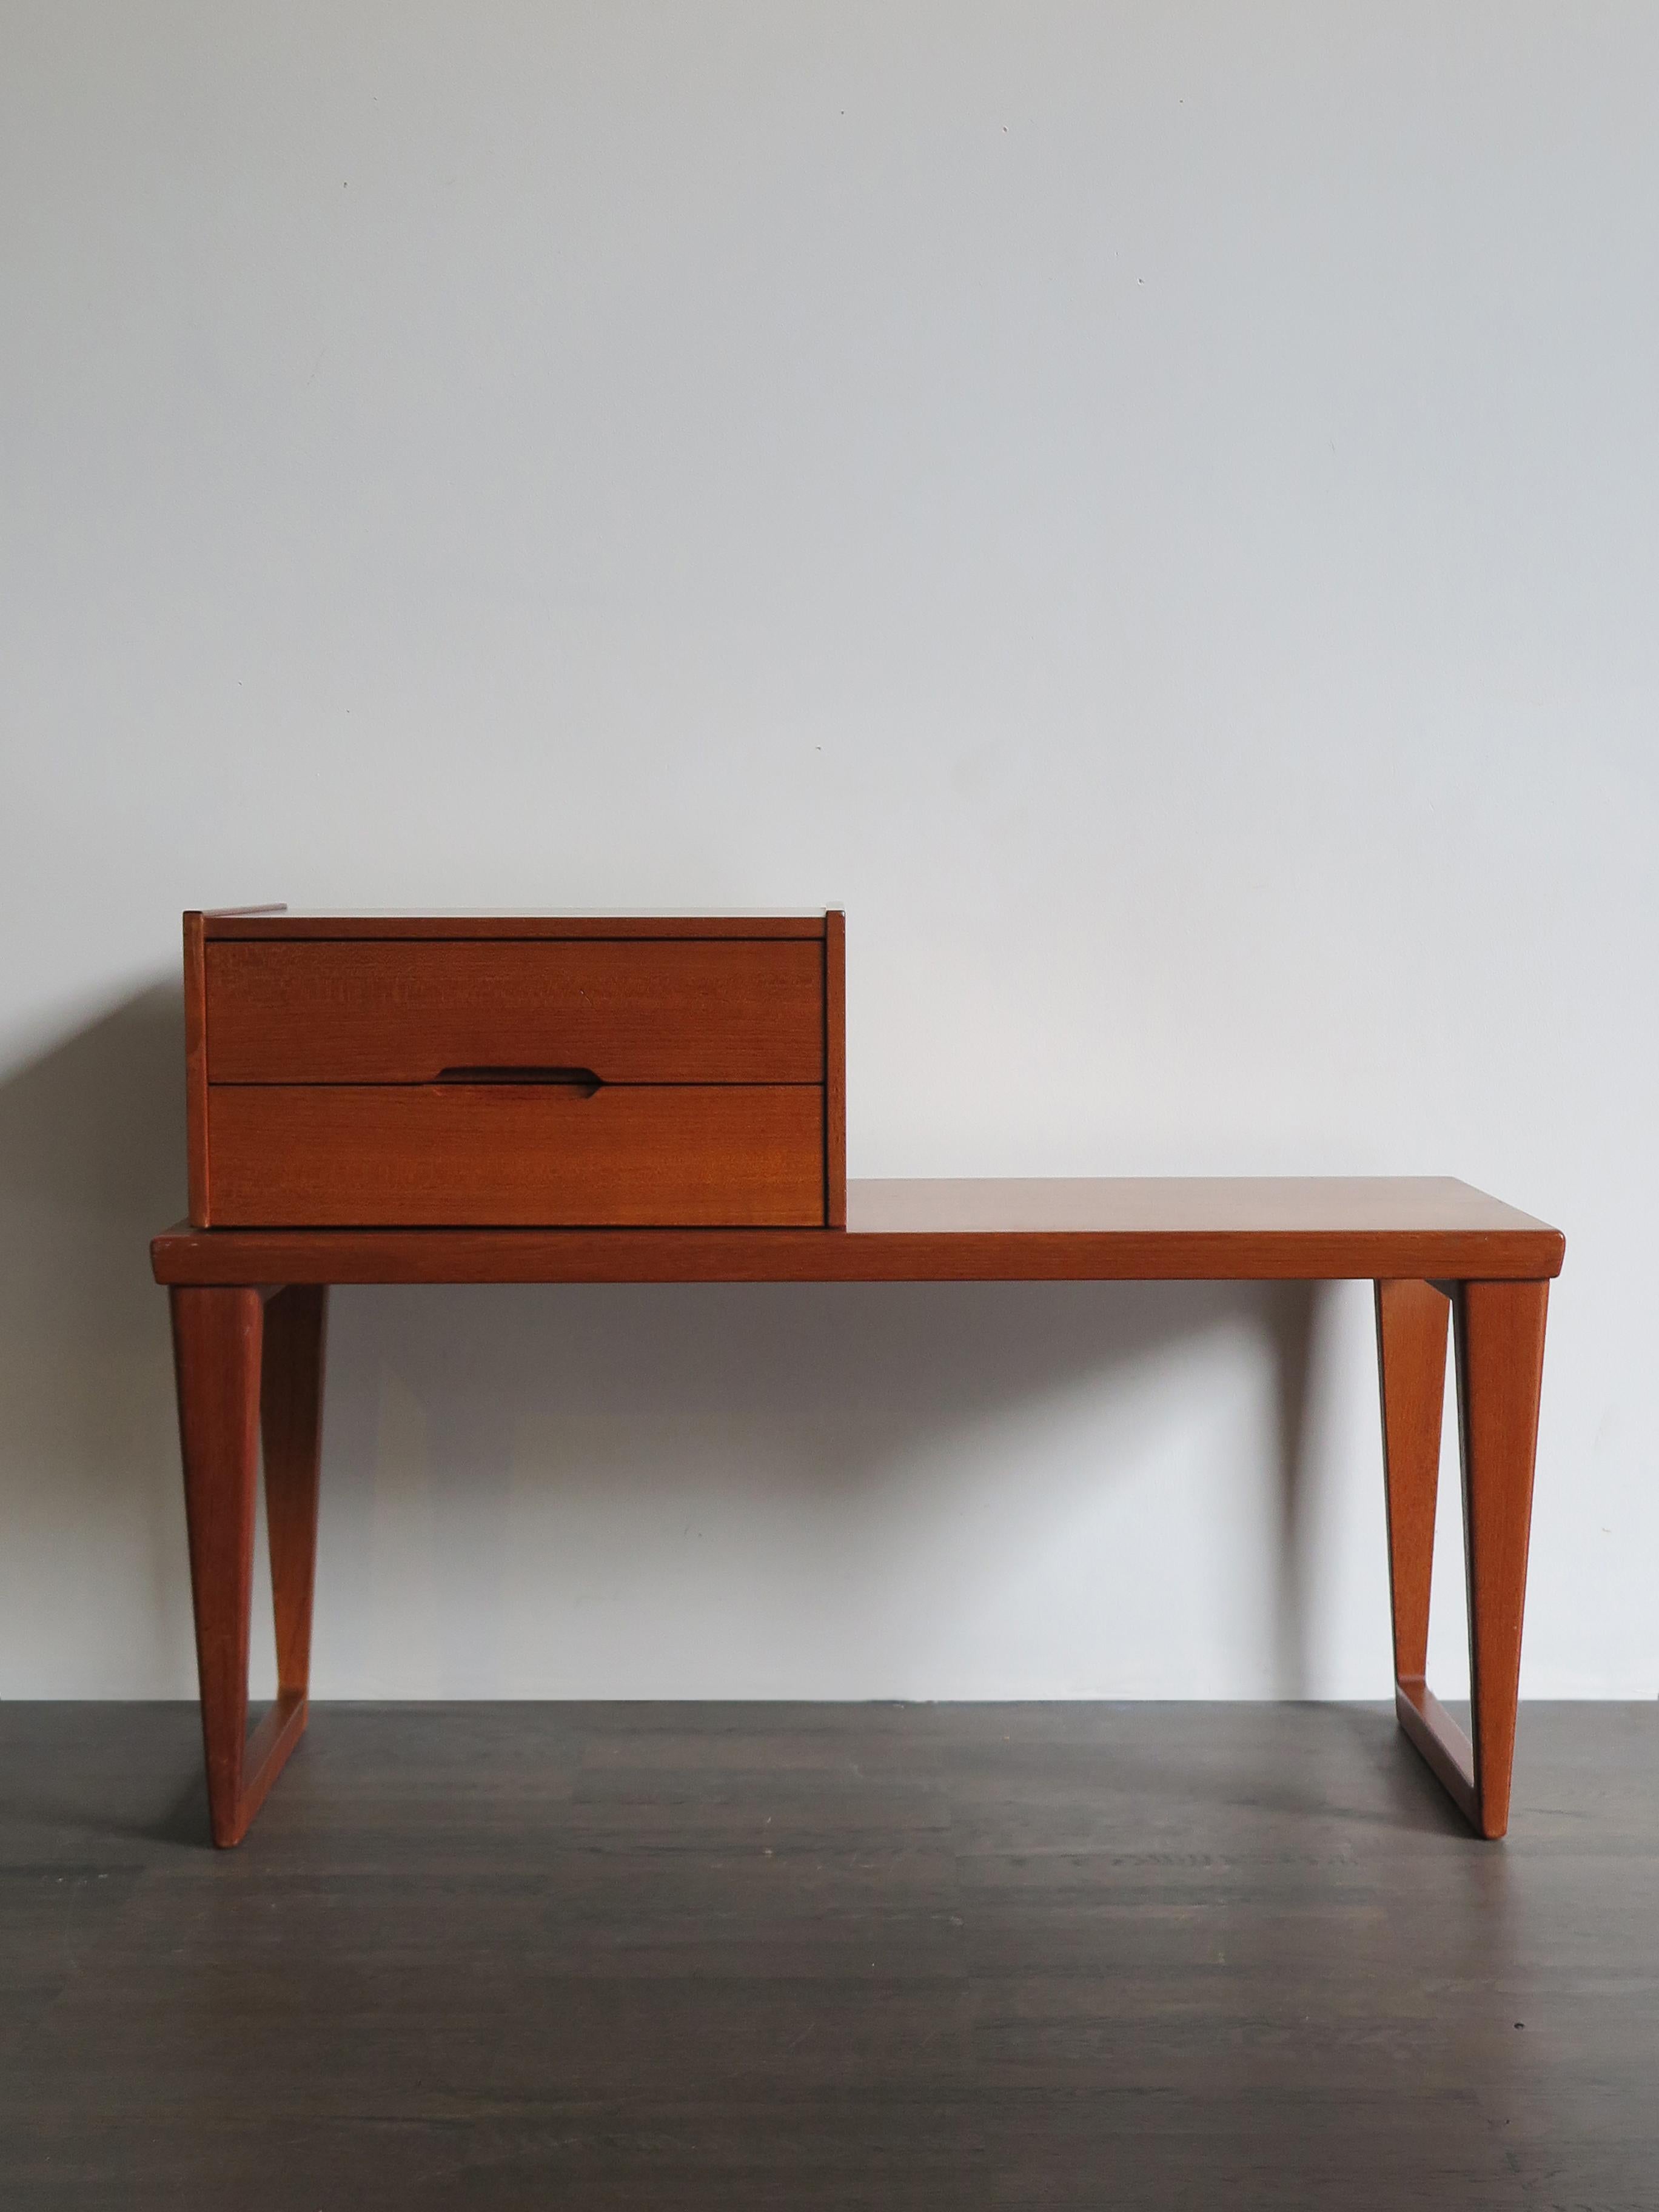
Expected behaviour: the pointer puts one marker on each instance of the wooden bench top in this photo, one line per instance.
(1099, 1228)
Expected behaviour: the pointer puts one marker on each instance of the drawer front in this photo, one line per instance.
(516, 1156)
(699, 1012)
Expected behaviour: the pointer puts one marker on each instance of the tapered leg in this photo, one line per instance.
(1412, 1324)
(223, 1337)
(1500, 1361)
(217, 1340)
(291, 1419)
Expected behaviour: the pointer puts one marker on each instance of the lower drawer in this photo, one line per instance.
(515, 1155)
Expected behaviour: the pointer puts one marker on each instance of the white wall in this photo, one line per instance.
(1152, 507)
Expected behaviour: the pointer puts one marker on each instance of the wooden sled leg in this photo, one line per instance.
(236, 1361)
(1500, 1345)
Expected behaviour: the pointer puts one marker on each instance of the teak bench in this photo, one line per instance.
(248, 1321)
(652, 1098)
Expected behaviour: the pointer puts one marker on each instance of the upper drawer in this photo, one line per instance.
(696, 1010)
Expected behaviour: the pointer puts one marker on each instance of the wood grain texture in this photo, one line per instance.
(196, 1073)
(267, 1751)
(291, 1430)
(1325, 1229)
(835, 1069)
(634, 1011)
(1413, 1324)
(216, 1343)
(515, 1152)
(1500, 1353)
(483, 1957)
(1234, 1206)
(1444, 1748)
(295, 923)
(221, 1351)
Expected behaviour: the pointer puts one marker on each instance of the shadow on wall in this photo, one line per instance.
(91, 1164)
(829, 1394)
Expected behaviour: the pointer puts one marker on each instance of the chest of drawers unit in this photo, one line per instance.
(515, 1071)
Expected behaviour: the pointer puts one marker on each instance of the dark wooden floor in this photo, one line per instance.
(728, 1956)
